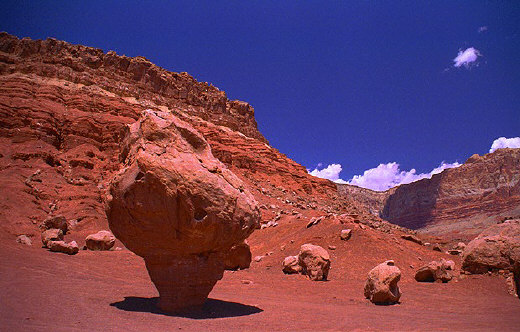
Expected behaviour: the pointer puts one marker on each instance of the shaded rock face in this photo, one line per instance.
(381, 285)
(498, 247)
(238, 257)
(314, 262)
(102, 240)
(178, 207)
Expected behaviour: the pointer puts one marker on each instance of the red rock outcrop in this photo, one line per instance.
(178, 207)
(62, 109)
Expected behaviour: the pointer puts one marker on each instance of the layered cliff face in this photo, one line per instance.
(460, 202)
(62, 109)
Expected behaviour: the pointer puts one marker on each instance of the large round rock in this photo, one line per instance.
(381, 285)
(178, 207)
(496, 248)
(314, 261)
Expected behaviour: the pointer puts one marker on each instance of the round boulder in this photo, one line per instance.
(238, 257)
(314, 261)
(102, 240)
(381, 285)
(291, 265)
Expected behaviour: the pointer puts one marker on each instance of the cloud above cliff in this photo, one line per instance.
(466, 58)
(503, 142)
(380, 178)
(330, 172)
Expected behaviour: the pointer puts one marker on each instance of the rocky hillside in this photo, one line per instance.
(62, 109)
(458, 203)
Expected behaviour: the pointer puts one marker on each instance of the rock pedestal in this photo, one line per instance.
(178, 207)
(184, 283)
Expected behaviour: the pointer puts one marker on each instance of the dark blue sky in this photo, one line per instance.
(358, 84)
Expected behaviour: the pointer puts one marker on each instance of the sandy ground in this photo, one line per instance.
(111, 291)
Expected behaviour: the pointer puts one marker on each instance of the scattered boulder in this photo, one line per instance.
(314, 221)
(70, 248)
(413, 238)
(434, 271)
(59, 222)
(102, 240)
(291, 265)
(437, 247)
(345, 234)
(381, 285)
(52, 234)
(315, 261)
(24, 239)
(496, 248)
(331, 247)
(259, 258)
(238, 257)
(177, 206)
(448, 264)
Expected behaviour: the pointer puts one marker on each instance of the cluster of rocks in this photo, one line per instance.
(52, 236)
(312, 261)
(53, 230)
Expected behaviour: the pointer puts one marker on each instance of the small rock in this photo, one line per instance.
(345, 234)
(70, 248)
(315, 261)
(434, 271)
(290, 265)
(238, 257)
(412, 238)
(258, 258)
(59, 222)
(102, 240)
(24, 239)
(246, 282)
(455, 252)
(436, 247)
(314, 221)
(381, 285)
(331, 247)
(52, 234)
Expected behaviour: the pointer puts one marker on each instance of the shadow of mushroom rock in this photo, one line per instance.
(211, 309)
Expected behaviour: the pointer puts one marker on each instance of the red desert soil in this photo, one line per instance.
(112, 291)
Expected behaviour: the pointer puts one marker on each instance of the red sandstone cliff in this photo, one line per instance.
(457, 203)
(62, 108)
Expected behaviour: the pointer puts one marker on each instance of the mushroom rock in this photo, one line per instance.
(178, 207)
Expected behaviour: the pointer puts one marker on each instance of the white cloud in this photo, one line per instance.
(381, 178)
(330, 172)
(503, 142)
(482, 29)
(386, 176)
(467, 57)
